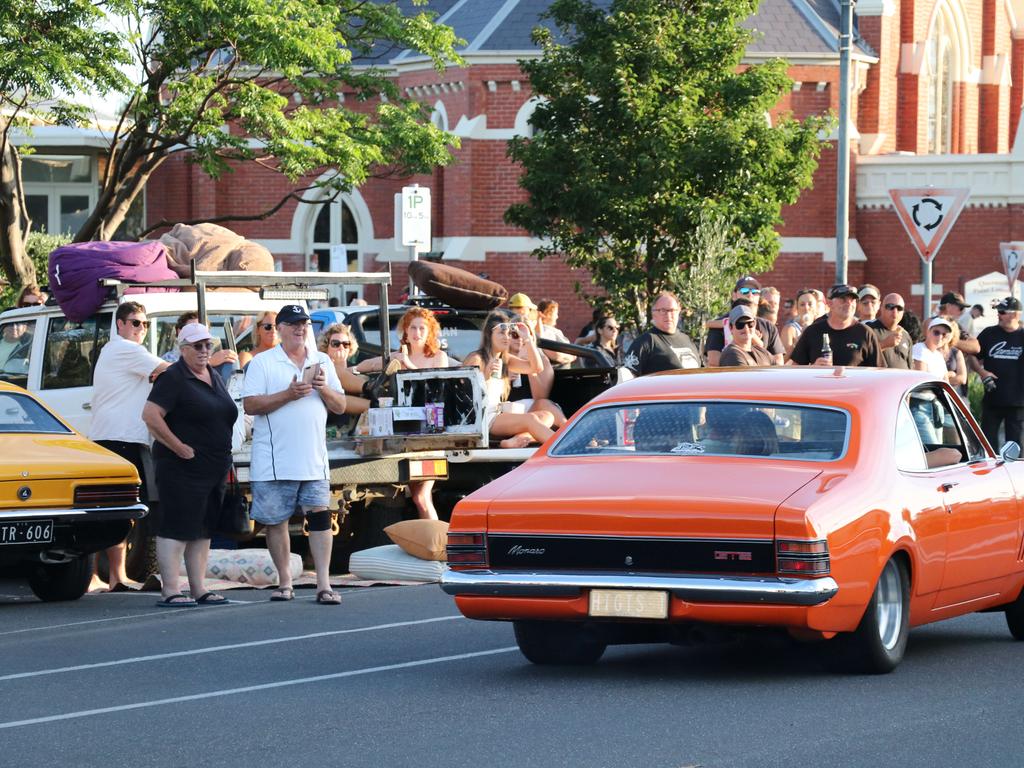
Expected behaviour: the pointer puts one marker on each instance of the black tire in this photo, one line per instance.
(140, 547)
(880, 640)
(1015, 617)
(64, 581)
(556, 642)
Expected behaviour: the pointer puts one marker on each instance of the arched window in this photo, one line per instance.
(945, 54)
(335, 241)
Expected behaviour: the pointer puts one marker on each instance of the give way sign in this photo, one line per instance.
(928, 215)
(1013, 255)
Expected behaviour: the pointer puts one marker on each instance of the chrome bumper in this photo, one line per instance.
(689, 588)
(129, 511)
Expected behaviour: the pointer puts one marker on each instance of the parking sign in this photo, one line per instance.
(413, 210)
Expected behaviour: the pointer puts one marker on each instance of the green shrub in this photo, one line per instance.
(975, 391)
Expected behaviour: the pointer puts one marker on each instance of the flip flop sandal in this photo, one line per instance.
(212, 598)
(282, 595)
(328, 597)
(176, 601)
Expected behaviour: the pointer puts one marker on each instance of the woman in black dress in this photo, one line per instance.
(191, 415)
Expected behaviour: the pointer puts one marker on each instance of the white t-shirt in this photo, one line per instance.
(120, 387)
(291, 442)
(933, 360)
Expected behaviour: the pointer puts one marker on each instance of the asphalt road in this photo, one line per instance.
(395, 678)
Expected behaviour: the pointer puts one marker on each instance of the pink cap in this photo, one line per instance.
(193, 332)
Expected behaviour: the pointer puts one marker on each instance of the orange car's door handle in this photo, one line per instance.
(947, 487)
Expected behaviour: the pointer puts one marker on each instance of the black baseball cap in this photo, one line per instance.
(842, 289)
(292, 313)
(954, 298)
(1009, 304)
(747, 281)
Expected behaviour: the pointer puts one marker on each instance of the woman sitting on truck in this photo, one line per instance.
(264, 337)
(337, 341)
(495, 359)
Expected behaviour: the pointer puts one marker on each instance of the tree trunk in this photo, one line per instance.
(14, 221)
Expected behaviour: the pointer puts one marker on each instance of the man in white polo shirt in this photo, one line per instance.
(124, 373)
(290, 389)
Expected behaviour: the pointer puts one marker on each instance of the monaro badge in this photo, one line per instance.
(24, 493)
(519, 549)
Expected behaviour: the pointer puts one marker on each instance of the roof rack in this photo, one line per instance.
(298, 281)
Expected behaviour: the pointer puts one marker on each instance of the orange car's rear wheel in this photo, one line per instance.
(558, 642)
(880, 640)
(1015, 617)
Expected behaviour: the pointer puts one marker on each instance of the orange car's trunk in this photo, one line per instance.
(656, 513)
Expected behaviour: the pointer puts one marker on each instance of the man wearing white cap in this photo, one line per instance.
(290, 389)
(125, 371)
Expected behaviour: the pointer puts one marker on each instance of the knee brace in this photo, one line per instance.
(318, 521)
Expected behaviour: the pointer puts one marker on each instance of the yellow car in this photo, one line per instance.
(62, 498)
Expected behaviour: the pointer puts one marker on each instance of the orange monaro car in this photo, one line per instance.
(844, 505)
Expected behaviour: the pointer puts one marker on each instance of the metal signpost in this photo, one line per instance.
(412, 222)
(1013, 254)
(928, 215)
(843, 150)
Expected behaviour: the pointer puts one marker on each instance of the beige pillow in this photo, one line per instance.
(424, 539)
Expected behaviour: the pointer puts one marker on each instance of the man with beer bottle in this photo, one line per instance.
(848, 341)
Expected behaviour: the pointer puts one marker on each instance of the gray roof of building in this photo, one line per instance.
(782, 27)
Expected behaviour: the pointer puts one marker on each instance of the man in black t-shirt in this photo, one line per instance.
(894, 341)
(1000, 359)
(852, 343)
(747, 291)
(664, 347)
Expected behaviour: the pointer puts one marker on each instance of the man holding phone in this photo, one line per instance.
(289, 390)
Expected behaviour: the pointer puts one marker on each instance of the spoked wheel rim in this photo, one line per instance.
(889, 605)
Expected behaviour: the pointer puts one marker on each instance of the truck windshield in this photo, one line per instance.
(783, 431)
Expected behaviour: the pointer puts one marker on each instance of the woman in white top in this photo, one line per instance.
(930, 354)
(806, 313)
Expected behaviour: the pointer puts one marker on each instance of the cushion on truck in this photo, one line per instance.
(456, 287)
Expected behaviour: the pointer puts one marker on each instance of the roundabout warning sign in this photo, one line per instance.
(928, 215)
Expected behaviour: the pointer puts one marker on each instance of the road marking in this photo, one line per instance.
(218, 648)
(251, 688)
(161, 612)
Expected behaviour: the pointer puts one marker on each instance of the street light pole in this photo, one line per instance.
(843, 150)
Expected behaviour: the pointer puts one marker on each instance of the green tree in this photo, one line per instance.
(48, 49)
(252, 81)
(646, 121)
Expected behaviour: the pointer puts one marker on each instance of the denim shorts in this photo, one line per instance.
(274, 501)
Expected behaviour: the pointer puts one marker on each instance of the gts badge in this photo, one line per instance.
(519, 549)
(721, 554)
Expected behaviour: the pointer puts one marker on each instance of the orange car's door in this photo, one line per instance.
(983, 532)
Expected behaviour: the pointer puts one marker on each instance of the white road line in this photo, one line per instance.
(219, 648)
(250, 688)
(161, 612)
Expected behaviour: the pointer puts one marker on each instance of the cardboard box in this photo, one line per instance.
(381, 424)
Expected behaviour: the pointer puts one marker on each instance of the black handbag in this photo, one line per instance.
(234, 520)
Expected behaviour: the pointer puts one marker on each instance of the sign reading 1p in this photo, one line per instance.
(413, 208)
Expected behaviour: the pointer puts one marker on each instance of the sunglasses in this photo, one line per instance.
(743, 324)
(138, 323)
(335, 343)
(940, 332)
(267, 326)
(202, 346)
(894, 307)
(610, 328)
(750, 291)
(506, 327)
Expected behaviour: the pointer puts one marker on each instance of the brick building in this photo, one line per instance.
(938, 86)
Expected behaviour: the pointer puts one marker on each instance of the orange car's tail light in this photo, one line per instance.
(804, 558)
(467, 549)
(106, 495)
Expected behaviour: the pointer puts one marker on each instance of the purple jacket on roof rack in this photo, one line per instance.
(76, 269)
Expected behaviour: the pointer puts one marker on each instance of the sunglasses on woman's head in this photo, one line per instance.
(335, 343)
